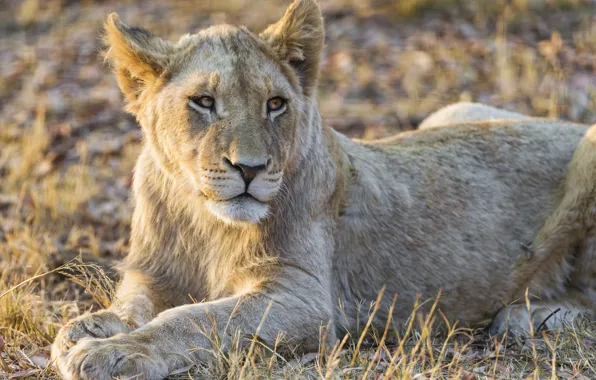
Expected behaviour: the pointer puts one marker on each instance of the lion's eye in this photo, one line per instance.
(206, 102)
(275, 104)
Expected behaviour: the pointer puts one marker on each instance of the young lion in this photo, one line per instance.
(246, 200)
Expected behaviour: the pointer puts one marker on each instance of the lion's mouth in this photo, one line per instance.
(246, 196)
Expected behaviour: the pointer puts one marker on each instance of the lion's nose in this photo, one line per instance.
(248, 171)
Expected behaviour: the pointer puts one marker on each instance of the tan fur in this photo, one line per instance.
(330, 221)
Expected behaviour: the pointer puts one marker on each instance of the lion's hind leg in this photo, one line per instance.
(565, 247)
(564, 252)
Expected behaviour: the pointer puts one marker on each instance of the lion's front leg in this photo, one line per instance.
(187, 334)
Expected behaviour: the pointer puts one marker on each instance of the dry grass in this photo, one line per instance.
(67, 151)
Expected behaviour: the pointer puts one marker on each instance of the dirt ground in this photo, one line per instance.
(67, 152)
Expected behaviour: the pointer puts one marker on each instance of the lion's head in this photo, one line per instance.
(225, 111)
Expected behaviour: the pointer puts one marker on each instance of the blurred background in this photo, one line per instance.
(67, 150)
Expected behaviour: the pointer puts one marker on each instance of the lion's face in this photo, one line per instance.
(229, 120)
(225, 111)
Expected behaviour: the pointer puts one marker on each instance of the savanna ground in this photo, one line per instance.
(67, 153)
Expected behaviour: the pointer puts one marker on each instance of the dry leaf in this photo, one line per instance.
(467, 375)
(40, 360)
(24, 373)
(181, 370)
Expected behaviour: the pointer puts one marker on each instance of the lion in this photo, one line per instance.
(280, 226)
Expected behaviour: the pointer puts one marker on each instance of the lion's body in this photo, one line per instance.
(450, 209)
(326, 223)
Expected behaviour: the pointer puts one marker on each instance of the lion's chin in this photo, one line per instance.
(240, 210)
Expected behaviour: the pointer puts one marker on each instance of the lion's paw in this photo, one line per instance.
(106, 358)
(515, 320)
(102, 324)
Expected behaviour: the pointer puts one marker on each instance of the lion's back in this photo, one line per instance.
(467, 112)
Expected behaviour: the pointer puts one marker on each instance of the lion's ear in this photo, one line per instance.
(138, 58)
(298, 38)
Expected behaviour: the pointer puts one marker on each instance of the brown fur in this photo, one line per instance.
(330, 221)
